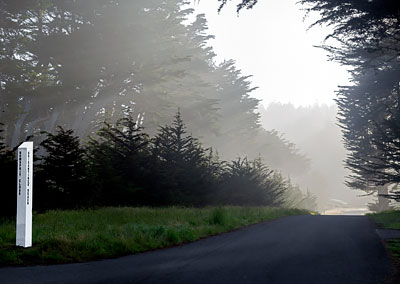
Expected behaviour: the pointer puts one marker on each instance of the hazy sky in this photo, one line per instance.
(271, 42)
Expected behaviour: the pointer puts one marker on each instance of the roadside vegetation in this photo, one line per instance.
(192, 193)
(83, 235)
(122, 165)
(390, 220)
(108, 138)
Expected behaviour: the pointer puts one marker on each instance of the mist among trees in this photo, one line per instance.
(68, 67)
(97, 85)
(78, 63)
(315, 131)
(365, 39)
(123, 166)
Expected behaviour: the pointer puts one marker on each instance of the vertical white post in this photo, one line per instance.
(24, 194)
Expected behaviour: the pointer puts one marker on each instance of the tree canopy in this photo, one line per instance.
(78, 63)
(244, 4)
(123, 166)
(368, 37)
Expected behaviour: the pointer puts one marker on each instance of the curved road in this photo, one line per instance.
(293, 250)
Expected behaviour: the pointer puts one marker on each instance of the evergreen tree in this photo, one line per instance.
(185, 164)
(61, 176)
(367, 40)
(121, 167)
(251, 183)
(63, 63)
(8, 169)
(239, 131)
(66, 65)
(368, 31)
(369, 116)
(244, 4)
(295, 198)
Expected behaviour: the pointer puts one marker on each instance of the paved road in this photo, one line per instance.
(294, 250)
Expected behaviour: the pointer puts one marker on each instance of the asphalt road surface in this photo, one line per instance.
(293, 250)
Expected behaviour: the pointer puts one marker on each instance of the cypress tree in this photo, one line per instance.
(251, 183)
(62, 173)
(185, 164)
(8, 170)
(120, 163)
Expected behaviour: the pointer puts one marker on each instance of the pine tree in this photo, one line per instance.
(120, 164)
(8, 170)
(368, 42)
(62, 173)
(251, 183)
(185, 164)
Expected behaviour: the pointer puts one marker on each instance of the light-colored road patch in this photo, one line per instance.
(346, 211)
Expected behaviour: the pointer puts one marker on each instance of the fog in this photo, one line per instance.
(315, 132)
(149, 60)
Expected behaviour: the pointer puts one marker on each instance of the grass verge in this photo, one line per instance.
(390, 220)
(83, 235)
(387, 219)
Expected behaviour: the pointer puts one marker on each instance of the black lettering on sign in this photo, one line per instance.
(19, 163)
(27, 173)
(27, 177)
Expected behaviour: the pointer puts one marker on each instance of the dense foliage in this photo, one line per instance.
(61, 172)
(263, 186)
(367, 35)
(78, 63)
(366, 38)
(123, 166)
(132, 64)
(8, 165)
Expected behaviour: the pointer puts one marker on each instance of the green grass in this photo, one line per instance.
(389, 220)
(82, 235)
(394, 247)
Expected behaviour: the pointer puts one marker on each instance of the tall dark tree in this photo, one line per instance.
(369, 115)
(251, 183)
(239, 132)
(121, 167)
(8, 169)
(78, 63)
(185, 164)
(368, 33)
(61, 175)
(238, 119)
(63, 62)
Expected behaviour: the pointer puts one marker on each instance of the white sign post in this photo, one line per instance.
(24, 194)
